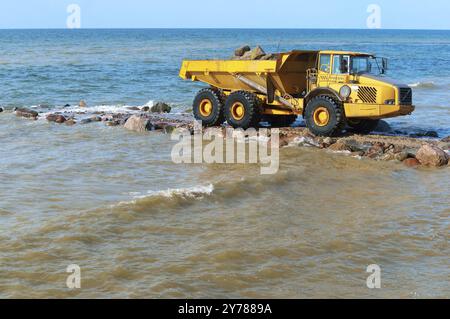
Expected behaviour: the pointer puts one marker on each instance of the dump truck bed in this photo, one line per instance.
(287, 73)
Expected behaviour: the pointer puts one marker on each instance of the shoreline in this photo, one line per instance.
(428, 151)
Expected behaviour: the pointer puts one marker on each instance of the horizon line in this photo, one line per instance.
(219, 28)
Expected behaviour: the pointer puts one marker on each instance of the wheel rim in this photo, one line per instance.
(206, 107)
(237, 111)
(321, 116)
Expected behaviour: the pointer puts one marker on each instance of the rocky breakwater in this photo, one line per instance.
(412, 152)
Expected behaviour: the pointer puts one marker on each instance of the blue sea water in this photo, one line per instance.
(131, 67)
(141, 226)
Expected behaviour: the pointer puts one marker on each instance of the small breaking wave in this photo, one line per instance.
(196, 192)
(424, 85)
(166, 198)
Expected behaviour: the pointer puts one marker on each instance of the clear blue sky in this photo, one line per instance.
(395, 14)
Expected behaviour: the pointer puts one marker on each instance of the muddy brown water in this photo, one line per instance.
(139, 225)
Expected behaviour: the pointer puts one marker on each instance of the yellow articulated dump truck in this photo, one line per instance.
(330, 89)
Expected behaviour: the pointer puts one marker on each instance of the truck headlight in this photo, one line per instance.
(345, 92)
(389, 102)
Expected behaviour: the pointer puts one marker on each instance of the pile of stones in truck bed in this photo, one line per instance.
(246, 53)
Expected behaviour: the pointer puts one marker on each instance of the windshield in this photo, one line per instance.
(366, 64)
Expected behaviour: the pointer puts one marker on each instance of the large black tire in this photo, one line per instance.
(246, 102)
(324, 116)
(208, 107)
(280, 120)
(362, 126)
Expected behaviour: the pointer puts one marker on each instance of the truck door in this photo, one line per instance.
(340, 69)
(324, 68)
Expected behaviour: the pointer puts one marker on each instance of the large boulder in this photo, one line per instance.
(431, 155)
(27, 113)
(242, 50)
(161, 107)
(57, 118)
(138, 124)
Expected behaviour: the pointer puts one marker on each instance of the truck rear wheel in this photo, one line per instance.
(363, 126)
(242, 110)
(324, 116)
(208, 107)
(280, 120)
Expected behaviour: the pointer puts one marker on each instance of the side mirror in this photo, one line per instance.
(385, 65)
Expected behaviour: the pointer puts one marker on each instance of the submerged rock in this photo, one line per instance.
(57, 118)
(430, 155)
(133, 108)
(411, 162)
(161, 107)
(70, 122)
(425, 134)
(1, 110)
(401, 156)
(138, 124)
(27, 113)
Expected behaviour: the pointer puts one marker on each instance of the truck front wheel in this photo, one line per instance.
(324, 116)
(242, 110)
(208, 107)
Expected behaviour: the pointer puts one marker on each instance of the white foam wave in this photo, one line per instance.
(195, 192)
(427, 85)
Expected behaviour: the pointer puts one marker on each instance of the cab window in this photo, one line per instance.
(341, 64)
(325, 61)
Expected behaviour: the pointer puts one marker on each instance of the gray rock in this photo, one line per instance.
(27, 113)
(161, 107)
(242, 50)
(138, 124)
(57, 118)
(1, 110)
(145, 109)
(255, 54)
